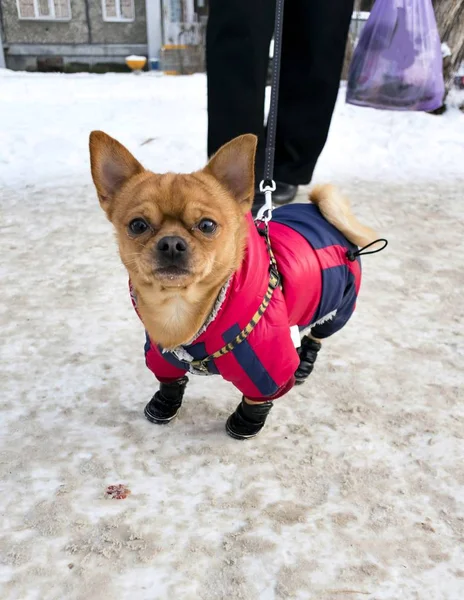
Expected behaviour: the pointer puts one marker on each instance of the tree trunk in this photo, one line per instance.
(350, 43)
(450, 21)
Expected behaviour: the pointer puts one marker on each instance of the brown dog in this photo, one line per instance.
(199, 273)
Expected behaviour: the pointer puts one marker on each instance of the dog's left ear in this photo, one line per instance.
(233, 166)
(112, 166)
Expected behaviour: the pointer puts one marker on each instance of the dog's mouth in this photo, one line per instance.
(172, 273)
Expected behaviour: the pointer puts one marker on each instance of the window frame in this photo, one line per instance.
(50, 17)
(118, 18)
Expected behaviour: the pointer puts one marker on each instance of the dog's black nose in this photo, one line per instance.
(172, 247)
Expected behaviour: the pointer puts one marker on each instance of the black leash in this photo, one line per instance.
(267, 185)
(272, 118)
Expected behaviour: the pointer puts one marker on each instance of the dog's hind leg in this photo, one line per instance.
(337, 211)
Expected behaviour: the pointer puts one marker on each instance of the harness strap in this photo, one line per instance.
(274, 283)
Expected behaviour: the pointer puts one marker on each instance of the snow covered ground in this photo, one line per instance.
(354, 490)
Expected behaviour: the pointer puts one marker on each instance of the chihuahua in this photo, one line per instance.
(218, 293)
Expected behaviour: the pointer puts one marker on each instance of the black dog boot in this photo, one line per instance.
(247, 420)
(308, 354)
(165, 404)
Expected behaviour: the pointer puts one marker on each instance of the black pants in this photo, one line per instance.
(314, 40)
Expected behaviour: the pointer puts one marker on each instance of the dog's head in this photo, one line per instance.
(176, 230)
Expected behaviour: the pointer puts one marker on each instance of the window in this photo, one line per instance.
(118, 10)
(50, 10)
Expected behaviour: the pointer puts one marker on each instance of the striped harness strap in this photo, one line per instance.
(274, 283)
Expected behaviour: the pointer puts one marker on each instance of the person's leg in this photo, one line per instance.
(314, 41)
(238, 36)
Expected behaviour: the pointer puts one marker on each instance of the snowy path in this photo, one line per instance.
(355, 489)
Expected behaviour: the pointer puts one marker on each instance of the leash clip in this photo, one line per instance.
(200, 365)
(266, 187)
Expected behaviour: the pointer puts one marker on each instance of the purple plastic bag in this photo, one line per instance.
(397, 64)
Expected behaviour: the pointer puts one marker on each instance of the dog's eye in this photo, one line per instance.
(138, 226)
(207, 226)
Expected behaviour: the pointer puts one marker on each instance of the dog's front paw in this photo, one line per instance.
(165, 404)
(248, 419)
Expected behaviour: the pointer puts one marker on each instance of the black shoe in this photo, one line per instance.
(165, 404)
(247, 420)
(284, 193)
(308, 354)
(438, 111)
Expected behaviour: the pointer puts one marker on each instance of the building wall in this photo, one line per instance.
(118, 33)
(86, 39)
(75, 31)
(18, 31)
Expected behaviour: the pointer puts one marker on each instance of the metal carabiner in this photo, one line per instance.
(265, 212)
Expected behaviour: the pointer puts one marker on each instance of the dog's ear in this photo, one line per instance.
(233, 166)
(112, 166)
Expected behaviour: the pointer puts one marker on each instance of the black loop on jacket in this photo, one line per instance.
(352, 255)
